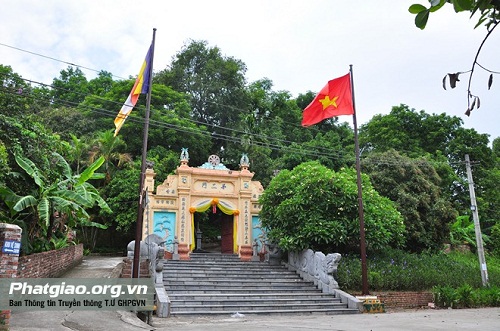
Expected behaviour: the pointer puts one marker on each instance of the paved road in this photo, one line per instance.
(487, 319)
(91, 267)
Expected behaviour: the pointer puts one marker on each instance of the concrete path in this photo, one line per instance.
(91, 267)
(486, 319)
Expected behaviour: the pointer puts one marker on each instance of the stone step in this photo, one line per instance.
(221, 264)
(219, 273)
(210, 284)
(323, 311)
(254, 306)
(232, 278)
(215, 300)
(239, 287)
(213, 256)
(237, 282)
(301, 296)
(236, 290)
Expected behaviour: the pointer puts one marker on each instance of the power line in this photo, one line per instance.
(319, 152)
(325, 152)
(160, 124)
(194, 121)
(54, 59)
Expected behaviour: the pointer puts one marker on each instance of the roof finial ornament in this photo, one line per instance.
(244, 162)
(184, 156)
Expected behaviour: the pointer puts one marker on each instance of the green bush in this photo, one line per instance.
(445, 296)
(396, 270)
(466, 297)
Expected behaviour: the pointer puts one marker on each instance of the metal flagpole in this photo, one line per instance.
(140, 209)
(364, 269)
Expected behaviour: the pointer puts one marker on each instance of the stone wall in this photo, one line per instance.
(8, 263)
(49, 264)
(127, 268)
(404, 299)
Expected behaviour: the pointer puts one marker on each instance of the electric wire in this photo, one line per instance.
(329, 154)
(325, 152)
(160, 124)
(219, 136)
(97, 71)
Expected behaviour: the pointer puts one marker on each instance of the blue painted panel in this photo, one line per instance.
(258, 232)
(164, 226)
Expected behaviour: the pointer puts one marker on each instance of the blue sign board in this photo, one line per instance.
(11, 247)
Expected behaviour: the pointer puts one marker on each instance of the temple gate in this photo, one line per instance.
(170, 211)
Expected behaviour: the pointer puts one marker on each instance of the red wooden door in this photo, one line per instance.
(227, 234)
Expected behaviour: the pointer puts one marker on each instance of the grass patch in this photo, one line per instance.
(401, 271)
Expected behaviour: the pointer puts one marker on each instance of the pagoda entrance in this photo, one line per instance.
(206, 208)
(227, 242)
(214, 232)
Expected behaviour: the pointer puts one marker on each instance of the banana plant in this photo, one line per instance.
(69, 195)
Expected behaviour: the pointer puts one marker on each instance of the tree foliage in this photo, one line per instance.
(57, 203)
(414, 186)
(314, 207)
(202, 101)
(489, 11)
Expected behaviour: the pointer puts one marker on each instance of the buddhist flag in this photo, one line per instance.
(333, 100)
(141, 85)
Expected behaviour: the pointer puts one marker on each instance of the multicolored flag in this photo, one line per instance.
(141, 85)
(333, 100)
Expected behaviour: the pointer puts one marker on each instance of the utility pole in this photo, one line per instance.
(477, 226)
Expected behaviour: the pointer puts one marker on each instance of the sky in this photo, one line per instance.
(298, 45)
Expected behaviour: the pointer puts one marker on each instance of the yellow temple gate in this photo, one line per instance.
(171, 208)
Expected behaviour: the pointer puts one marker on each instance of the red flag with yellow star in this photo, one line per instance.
(333, 100)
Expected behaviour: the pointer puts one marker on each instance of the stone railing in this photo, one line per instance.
(151, 254)
(320, 268)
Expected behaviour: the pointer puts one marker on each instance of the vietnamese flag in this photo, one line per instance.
(333, 100)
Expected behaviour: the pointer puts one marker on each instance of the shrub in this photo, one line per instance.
(397, 270)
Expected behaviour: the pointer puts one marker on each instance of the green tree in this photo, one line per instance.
(70, 88)
(414, 186)
(418, 134)
(314, 207)
(215, 84)
(111, 148)
(57, 202)
(410, 132)
(102, 84)
(66, 121)
(121, 195)
(14, 94)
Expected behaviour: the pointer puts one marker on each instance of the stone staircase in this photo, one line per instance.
(211, 283)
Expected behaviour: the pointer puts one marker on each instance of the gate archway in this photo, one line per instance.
(229, 225)
(170, 212)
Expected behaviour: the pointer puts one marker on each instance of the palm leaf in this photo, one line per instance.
(30, 168)
(67, 206)
(44, 211)
(66, 169)
(93, 224)
(89, 172)
(8, 196)
(25, 202)
(78, 196)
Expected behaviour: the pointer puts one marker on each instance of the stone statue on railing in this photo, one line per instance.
(151, 248)
(316, 267)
